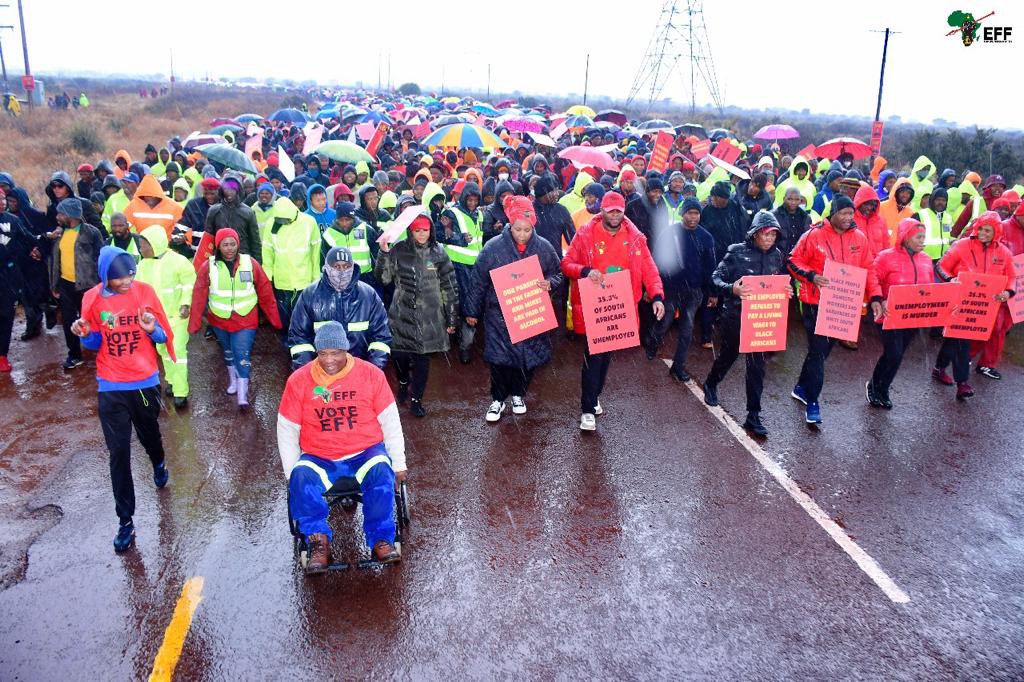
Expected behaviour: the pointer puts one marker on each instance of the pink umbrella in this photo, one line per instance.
(589, 156)
(834, 148)
(223, 121)
(523, 124)
(776, 131)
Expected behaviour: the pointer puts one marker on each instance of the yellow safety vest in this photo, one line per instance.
(937, 229)
(355, 241)
(232, 294)
(466, 255)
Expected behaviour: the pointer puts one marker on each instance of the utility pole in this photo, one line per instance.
(172, 70)
(488, 82)
(3, 64)
(586, 79)
(881, 75)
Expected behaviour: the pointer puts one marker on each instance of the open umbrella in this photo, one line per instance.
(452, 119)
(225, 127)
(523, 124)
(248, 118)
(690, 129)
(738, 172)
(776, 131)
(289, 116)
(223, 121)
(655, 125)
(343, 152)
(613, 115)
(197, 139)
(462, 135)
(589, 156)
(505, 104)
(353, 114)
(376, 117)
(579, 121)
(581, 110)
(716, 134)
(485, 109)
(228, 156)
(328, 112)
(834, 148)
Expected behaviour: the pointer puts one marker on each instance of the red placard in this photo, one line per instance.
(28, 82)
(609, 313)
(1016, 303)
(764, 315)
(841, 301)
(377, 139)
(876, 137)
(726, 151)
(659, 155)
(525, 306)
(974, 317)
(911, 306)
(808, 152)
(700, 149)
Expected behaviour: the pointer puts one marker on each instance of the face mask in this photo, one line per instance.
(339, 279)
(503, 176)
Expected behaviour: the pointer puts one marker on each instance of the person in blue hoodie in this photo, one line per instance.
(316, 206)
(313, 175)
(886, 180)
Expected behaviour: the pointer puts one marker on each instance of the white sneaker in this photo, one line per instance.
(598, 410)
(588, 422)
(518, 405)
(495, 411)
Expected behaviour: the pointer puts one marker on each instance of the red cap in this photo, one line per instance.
(689, 166)
(613, 201)
(85, 167)
(628, 174)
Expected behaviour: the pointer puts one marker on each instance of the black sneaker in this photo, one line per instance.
(417, 409)
(710, 394)
(871, 395)
(51, 318)
(208, 334)
(161, 475)
(990, 372)
(168, 390)
(125, 537)
(31, 334)
(679, 374)
(651, 352)
(180, 403)
(403, 393)
(754, 425)
(72, 363)
(465, 357)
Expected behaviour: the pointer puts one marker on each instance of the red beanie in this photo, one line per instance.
(519, 208)
(223, 233)
(210, 183)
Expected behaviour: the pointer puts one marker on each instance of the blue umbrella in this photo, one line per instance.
(289, 116)
(246, 118)
(328, 112)
(486, 109)
(376, 117)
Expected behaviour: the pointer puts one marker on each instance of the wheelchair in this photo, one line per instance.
(347, 493)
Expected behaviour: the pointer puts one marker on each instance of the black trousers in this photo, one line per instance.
(35, 297)
(895, 343)
(593, 374)
(812, 374)
(958, 352)
(685, 302)
(728, 352)
(119, 411)
(508, 381)
(70, 304)
(6, 323)
(413, 369)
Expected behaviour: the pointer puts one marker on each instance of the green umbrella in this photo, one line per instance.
(228, 156)
(345, 152)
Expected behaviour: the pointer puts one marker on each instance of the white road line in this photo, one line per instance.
(862, 558)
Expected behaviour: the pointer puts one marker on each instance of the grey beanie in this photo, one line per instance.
(381, 176)
(331, 336)
(71, 207)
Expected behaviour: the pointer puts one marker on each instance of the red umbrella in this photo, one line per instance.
(505, 104)
(835, 147)
(589, 156)
(223, 121)
(613, 115)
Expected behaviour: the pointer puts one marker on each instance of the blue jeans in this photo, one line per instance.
(237, 347)
(313, 476)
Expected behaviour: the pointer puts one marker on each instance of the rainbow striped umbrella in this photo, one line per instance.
(462, 135)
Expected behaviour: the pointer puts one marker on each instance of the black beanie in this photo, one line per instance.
(721, 189)
(655, 183)
(839, 202)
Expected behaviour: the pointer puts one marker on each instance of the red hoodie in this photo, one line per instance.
(970, 255)
(897, 266)
(642, 270)
(1013, 233)
(873, 227)
(820, 243)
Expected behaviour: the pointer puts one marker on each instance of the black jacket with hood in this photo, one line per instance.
(744, 260)
(374, 218)
(88, 212)
(494, 215)
(239, 218)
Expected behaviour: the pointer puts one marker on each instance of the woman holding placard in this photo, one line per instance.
(512, 363)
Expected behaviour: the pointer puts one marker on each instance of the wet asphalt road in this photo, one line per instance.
(657, 547)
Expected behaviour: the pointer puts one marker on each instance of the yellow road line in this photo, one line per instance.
(174, 638)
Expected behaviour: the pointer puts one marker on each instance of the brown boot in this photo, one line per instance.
(385, 553)
(319, 553)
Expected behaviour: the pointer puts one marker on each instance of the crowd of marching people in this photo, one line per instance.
(305, 242)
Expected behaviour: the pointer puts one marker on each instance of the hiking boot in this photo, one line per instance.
(72, 363)
(465, 357)
(495, 411)
(799, 394)
(319, 553)
(181, 403)
(588, 422)
(417, 409)
(31, 334)
(518, 405)
(813, 415)
(679, 374)
(125, 537)
(386, 553)
(5, 364)
(598, 410)
(161, 475)
(710, 394)
(942, 376)
(51, 317)
(990, 372)
(872, 396)
(403, 393)
(964, 391)
(754, 425)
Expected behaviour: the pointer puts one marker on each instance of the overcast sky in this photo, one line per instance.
(822, 56)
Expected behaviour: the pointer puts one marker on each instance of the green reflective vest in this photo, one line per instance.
(232, 294)
(355, 241)
(466, 255)
(937, 227)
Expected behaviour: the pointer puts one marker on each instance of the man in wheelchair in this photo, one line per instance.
(338, 420)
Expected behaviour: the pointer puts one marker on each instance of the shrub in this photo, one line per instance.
(85, 139)
(292, 102)
(409, 89)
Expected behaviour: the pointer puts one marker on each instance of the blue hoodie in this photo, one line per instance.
(880, 187)
(108, 254)
(324, 219)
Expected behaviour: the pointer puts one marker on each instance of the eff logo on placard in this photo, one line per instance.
(967, 28)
